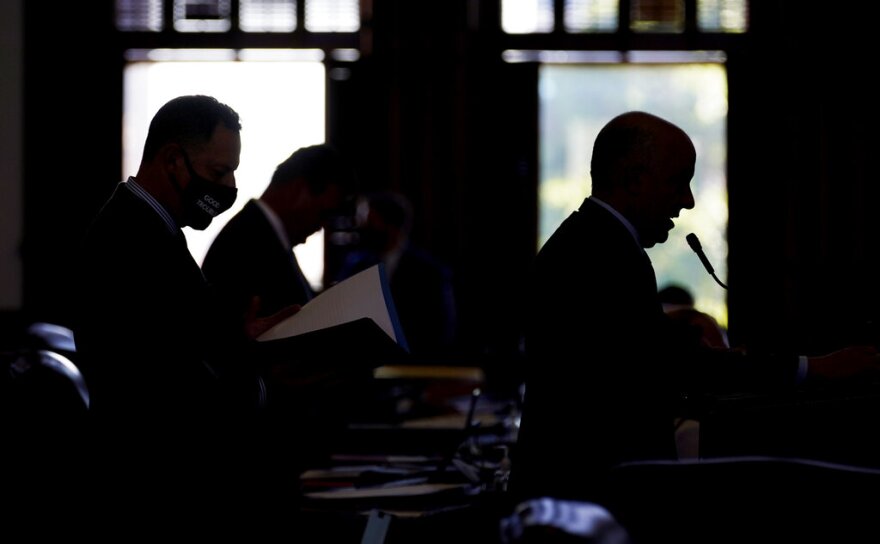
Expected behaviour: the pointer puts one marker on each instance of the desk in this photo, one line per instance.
(835, 424)
(430, 455)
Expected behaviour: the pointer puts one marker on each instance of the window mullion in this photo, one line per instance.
(234, 16)
(558, 16)
(300, 17)
(623, 17)
(168, 17)
(690, 17)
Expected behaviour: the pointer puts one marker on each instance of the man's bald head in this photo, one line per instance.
(632, 144)
(642, 166)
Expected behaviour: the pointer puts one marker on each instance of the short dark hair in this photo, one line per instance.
(320, 165)
(188, 120)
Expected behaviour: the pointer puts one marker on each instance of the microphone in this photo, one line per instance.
(694, 242)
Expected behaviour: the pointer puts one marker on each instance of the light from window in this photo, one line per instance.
(333, 15)
(202, 15)
(577, 100)
(139, 15)
(286, 113)
(267, 15)
(591, 15)
(526, 16)
(646, 16)
(657, 15)
(722, 15)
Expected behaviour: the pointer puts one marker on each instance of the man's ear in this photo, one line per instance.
(171, 156)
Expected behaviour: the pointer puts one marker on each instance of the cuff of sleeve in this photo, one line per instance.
(802, 369)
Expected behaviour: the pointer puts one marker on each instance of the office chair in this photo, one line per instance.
(552, 521)
(58, 338)
(44, 403)
(42, 386)
(45, 447)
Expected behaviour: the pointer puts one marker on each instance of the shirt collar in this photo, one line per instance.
(629, 226)
(142, 193)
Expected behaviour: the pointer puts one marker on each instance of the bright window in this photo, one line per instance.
(645, 16)
(577, 100)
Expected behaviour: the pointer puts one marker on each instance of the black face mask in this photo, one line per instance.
(203, 199)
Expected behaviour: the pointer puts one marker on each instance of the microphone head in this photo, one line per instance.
(694, 242)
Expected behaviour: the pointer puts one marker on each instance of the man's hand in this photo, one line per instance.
(255, 326)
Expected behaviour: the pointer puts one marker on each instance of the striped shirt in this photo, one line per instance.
(142, 193)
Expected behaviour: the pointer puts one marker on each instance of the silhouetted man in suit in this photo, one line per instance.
(253, 255)
(606, 368)
(252, 263)
(173, 395)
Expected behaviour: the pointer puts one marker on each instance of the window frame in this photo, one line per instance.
(236, 38)
(623, 39)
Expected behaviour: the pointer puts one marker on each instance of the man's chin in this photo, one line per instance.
(653, 240)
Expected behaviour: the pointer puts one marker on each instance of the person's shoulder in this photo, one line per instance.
(240, 226)
(123, 215)
(573, 230)
(246, 215)
(121, 197)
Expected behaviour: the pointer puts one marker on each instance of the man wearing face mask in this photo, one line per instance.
(165, 364)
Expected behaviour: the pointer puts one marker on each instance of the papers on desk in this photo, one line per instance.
(383, 481)
(430, 372)
(453, 421)
(397, 489)
(350, 473)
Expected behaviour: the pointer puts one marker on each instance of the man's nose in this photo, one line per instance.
(688, 201)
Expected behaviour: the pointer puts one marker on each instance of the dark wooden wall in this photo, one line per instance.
(803, 232)
(72, 148)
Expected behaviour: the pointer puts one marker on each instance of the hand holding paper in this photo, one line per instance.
(256, 326)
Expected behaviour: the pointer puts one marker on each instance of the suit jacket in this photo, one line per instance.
(154, 345)
(248, 259)
(175, 396)
(606, 369)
